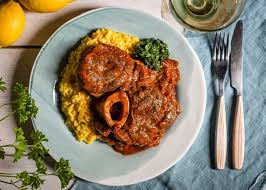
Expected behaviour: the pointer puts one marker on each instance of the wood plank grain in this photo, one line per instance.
(40, 26)
(15, 67)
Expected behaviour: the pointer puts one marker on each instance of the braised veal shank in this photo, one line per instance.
(107, 70)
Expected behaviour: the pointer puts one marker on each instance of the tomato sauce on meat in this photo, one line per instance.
(105, 68)
(153, 107)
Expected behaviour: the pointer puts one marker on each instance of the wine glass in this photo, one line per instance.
(194, 17)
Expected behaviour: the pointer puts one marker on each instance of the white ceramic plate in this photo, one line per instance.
(98, 162)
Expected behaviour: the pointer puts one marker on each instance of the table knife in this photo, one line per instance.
(236, 69)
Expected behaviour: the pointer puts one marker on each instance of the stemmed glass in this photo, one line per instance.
(193, 17)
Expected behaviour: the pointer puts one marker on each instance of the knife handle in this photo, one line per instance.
(220, 135)
(238, 135)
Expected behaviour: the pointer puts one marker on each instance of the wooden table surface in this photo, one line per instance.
(16, 62)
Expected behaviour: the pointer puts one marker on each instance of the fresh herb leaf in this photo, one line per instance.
(19, 134)
(38, 151)
(20, 144)
(33, 180)
(38, 137)
(25, 178)
(152, 52)
(24, 104)
(25, 108)
(37, 154)
(41, 167)
(36, 181)
(63, 171)
(2, 85)
(2, 154)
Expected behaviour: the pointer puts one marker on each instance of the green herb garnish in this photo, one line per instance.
(152, 52)
(25, 108)
(24, 104)
(63, 171)
(19, 144)
(2, 85)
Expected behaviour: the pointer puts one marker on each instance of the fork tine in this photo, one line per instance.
(227, 46)
(214, 47)
(222, 55)
(221, 47)
(218, 52)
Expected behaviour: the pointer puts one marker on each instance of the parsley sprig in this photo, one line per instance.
(2, 85)
(63, 171)
(24, 105)
(25, 108)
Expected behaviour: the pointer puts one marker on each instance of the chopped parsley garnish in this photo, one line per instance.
(152, 52)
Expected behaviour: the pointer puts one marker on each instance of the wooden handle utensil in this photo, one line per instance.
(238, 136)
(220, 135)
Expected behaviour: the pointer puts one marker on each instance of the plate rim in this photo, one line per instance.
(197, 62)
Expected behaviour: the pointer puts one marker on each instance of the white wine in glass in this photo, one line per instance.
(202, 15)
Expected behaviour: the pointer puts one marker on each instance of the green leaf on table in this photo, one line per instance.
(38, 151)
(2, 85)
(38, 137)
(36, 181)
(64, 172)
(2, 154)
(19, 134)
(33, 180)
(20, 144)
(24, 105)
(25, 178)
(41, 167)
(37, 154)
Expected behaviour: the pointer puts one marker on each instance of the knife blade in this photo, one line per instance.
(236, 63)
(236, 69)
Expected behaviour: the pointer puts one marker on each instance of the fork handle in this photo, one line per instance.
(220, 135)
(238, 135)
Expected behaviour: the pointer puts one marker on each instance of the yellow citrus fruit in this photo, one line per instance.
(12, 21)
(44, 6)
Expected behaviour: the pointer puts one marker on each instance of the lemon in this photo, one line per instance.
(44, 6)
(12, 21)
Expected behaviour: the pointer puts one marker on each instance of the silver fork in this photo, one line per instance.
(220, 64)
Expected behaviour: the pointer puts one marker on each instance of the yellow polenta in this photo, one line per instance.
(75, 101)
